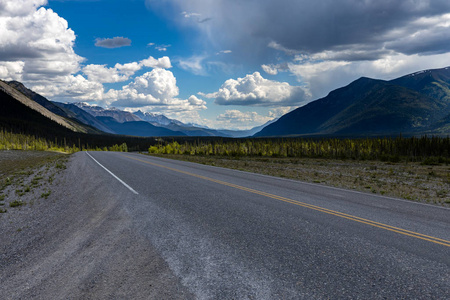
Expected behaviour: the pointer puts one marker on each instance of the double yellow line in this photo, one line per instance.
(310, 206)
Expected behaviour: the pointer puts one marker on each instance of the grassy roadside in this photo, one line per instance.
(411, 181)
(26, 177)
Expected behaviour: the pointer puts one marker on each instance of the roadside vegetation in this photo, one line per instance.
(26, 177)
(406, 167)
(13, 141)
(410, 168)
(433, 149)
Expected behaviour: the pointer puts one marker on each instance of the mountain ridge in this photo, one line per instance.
(410, 104)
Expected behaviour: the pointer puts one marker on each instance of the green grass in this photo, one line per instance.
(18, 163)
(16, 203)
(46, 194)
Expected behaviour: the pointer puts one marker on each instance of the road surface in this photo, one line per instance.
(215, 233)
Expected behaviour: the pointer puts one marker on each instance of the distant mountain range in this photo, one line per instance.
(85, 118)
(414, 104)
(20, 114)
(137, 123)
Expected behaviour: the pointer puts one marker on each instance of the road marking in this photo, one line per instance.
(310, 206)
(113, 175)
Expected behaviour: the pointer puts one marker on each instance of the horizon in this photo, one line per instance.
(191, 61)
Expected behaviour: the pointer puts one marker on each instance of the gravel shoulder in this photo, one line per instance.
(79, 242)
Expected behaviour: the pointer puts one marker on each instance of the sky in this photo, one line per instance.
(230, 64)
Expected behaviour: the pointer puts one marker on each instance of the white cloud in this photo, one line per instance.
(280, 111)
(70, 87)
(115, 42)
(193, 64)
(190, 14)
(161, 48)
(196, 16)
(240, 120)
(337, 41)
(103, 74)
(162, 62)
(325, 76)
(270, 69)
(254, 90)
(224, 52)
(119, 73)
(36, 47)
(38, 39)
(20, 7)
(153, 90)
(11, 70)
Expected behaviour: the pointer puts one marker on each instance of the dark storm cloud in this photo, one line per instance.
(115, 42)
(372, 28)
(315, 26)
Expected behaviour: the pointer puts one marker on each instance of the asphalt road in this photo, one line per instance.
(229, 234)
(142, 227)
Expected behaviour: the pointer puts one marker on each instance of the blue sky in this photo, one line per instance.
(224, 63)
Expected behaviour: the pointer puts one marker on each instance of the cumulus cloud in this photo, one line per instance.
(254, 90)
(115, 42)
(239, 120)
(20, 7)
(11, 70)
(280, 111)
(36, 38)
(119, 73)
(103, 74)
(270, 69)
(242, 117)
(70, 87)
(36, 47)
(162, 62)
(347, 34)
(155, 89)
(325, 76)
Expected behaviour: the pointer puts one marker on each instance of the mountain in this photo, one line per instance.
(413, 104)
(137, 128)
(193, 129)
(156, 119)
(433, 83)
(45, 107)
(81, 115)
(20, 114)
(246, 133)
(117, 114)
(38, 98)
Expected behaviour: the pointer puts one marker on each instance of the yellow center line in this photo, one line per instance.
(310, 206)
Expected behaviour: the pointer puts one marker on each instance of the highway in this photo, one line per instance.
(132, 226)
(230, 234)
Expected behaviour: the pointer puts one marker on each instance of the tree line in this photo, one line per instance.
(15, 141)
(383, 149)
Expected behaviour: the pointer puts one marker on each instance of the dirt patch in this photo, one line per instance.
(26, 178)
